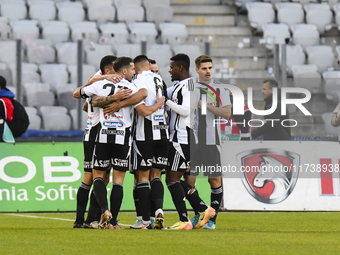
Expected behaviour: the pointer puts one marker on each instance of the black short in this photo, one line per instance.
(88, 156)
(110, 154)
(206, 159)
(150, 154)
(179, 157)
(89, 142)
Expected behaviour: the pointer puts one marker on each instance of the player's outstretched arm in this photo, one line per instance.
(110, 77)
(224, 111)
(134, 99)
(180, 109)
(147, 110)
(101, 101)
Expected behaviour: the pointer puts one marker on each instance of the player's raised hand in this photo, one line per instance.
(160, 100)
(115, 78)
(122, 94)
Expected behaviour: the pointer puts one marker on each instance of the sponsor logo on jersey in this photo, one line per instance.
(107, 116)
(158, 118)
(113, 132)
(157, 127)
(114, 124)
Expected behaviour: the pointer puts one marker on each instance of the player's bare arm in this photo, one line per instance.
(134, 99)
(85, 105)
(224, 111)
(147, 110)
(110, 77)
(102, 101)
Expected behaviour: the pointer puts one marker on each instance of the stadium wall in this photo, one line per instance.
(45, 177)
(286, 176)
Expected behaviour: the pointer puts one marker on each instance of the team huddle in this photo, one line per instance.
(138, 124)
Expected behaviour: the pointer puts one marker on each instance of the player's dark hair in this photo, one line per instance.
(202, 59)
(272, 83)
(122, 62)
(182, 60)
(2, 82)
(106, 61)
(140, 58)
(152, 61)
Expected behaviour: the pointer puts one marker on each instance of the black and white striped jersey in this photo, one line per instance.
(179, 124)
(115, 128)
(204, 124)
(93, 120)
(152, 127)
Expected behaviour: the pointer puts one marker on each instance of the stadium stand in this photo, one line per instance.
(332, 85)
(295, 56)
(95, 52)
(260, 14)
(128, 50)
(149, 3)
(67, 52)
(161, 52)
(191, 50)
(54, 74)
(14, 10)
(70, 12)
(101, 12)
(56, 31)
(307, 76)
(319, 15)
(88, 70)
(55, 118)
(275, 34)
(173, 33)
(305, 34)
(143, 31)
(234, 30)
(74, 115)
(130, 13)
(113, 33)
(159, 13)
(5, 31)
(25, 29)
(322, 56)
(290, 13)
(42, 10)
(40, 51)
(84, 30)
(65, 96)
(35, 119)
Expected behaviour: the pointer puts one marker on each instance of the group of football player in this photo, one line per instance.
(138, 124)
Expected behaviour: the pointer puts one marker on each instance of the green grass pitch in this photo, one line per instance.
(236, 233)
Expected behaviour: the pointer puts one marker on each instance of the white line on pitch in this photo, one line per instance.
(49, 218)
